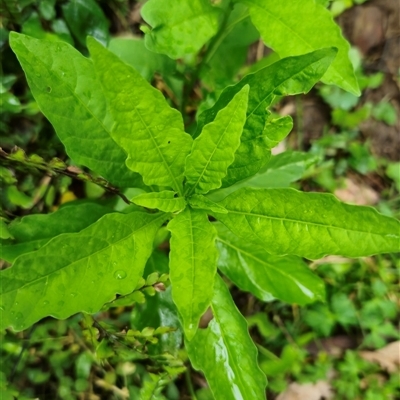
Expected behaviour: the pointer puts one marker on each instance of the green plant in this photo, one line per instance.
(85, 257)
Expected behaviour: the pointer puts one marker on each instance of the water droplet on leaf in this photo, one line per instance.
(72, 294)
(120, 274)
(18, 315)
(45, 302)
(48, 89)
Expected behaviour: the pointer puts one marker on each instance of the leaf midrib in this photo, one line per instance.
(302, 222)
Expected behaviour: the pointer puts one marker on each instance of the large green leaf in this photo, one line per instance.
(164, 201)
(133, 51)
(225, 352)
(214, 150)
(252, 269)
(33, 231)
(300, 26)
(64, 85)
(179, 27)
(86, 18)
(312, 225)
(292, 75)
(193, 264)
(78, 271)
(146, 127)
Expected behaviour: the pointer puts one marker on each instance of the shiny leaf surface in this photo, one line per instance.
(225, 352)
(179, 27)
(78, 271)
(193, 259)
(214, 150)
(311, 225)
(86, 18)
(292, 75)
(64, 85)
(310, 27)
(163, 201)
(146, 127)
(252, 269)
(34, 231)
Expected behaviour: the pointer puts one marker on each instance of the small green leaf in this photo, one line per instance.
(201, 202)
(179, 28)
(78, 271)
(214, 150)
(193, 258)
(4, 234)
(252, 269)
(34, 231)
(64, 85)
(300, 26)
(86, 18)
(226, 353)
(146, 127)
(164, 201)
(292, 75)
(311, 225)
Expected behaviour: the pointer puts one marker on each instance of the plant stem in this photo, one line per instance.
(189, 383)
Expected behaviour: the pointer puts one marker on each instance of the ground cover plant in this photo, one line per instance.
(205, 191)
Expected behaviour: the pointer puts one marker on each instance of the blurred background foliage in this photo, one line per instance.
(344, 348)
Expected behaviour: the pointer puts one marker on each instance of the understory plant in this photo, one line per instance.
(202, 192)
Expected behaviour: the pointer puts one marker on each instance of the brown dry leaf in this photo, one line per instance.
(387, 357)
(356, 193)
(307, 391)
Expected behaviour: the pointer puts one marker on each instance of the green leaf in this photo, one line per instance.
(300, 26)
(86, 18)
(179, 28)
(283, 169)
(201, 202)
(253, 270)
(214, 150)
(132, 51)
(164, 201)
(226, 353)
(193, 259)
(311, 225)
(292, 75)
(225, 62)
(78, 271)
(146, 127)
(64, 85)
(34, 231)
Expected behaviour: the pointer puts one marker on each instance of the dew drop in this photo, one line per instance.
(18, 315)
(48, 89)
(73, 294)
(38, 74)
(120, 274)
(45, 302)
